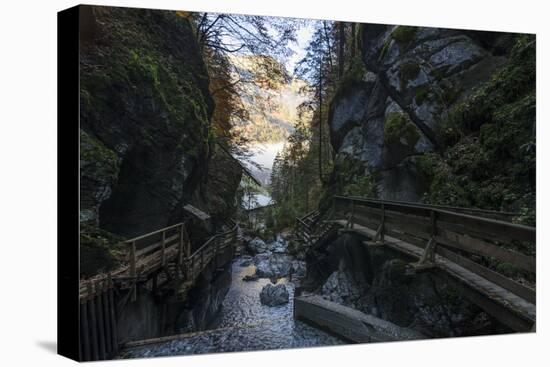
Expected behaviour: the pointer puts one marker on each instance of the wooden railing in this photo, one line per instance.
(493, 214)
(452, 234)
(167, 249)
(148, 253)
(305, 225)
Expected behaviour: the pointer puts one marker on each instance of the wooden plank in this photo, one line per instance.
(84, 332)
(132, 259)
(93, 329)
(163, 248)
(107, 323)
(499, 279)
(152, 233)
(196, 212)
(493, 214)
(157, 245)
(483, 248)
(100, 325)
(348, 322)
(492, 229)
(114, 324)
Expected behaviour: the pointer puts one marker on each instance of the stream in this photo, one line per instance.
(244, 324)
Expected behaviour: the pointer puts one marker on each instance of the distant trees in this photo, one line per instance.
(329, 57)
(223, 36)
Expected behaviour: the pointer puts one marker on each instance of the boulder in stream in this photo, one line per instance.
(272, 265)
(257, 246)
(274, 295)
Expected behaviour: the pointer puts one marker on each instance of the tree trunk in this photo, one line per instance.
(321, 121)
(353, 41)
(341, 43)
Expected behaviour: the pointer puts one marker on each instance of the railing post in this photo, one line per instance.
(383, 223)
(352, 219)
(428, 257)
(133, 259)
(187, 240)
(180, 247)
(163, 248)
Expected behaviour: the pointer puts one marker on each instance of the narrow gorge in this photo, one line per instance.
(396, 200)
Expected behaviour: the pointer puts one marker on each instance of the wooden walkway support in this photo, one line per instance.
(458, 241)
(349, 323)
(163, 257)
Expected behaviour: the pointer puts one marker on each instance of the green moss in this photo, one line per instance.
(97, 160)
(354, 76)
(398, 126)
(131, 68)
(421, 93)
(100, 250)
(364, 186)
(403, 35)
(408, 71)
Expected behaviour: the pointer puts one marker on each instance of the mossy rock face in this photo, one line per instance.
(421, 94)
(408, 71)
(100, 251)
(490, 138)
(404, 35)
(399, 129)
(99, 168)
(145, 101)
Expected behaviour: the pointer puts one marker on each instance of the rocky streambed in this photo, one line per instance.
(244, 323)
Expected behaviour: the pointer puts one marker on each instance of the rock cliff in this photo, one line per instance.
(437, 115)
(145, 143)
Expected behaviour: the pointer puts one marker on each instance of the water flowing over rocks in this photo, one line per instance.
(244, 324)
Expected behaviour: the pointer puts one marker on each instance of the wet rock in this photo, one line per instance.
(279, 247)
(257, 246)
(250, 278)
(271, 265)
(274, 295)
(341, 288)
(298, 268)
(246, 262)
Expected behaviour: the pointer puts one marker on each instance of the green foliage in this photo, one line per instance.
(100, 251)
(403, 35)
(131, 64)
(97, 160)
(354, 76)
(364, 187)
(488, 159)
(397, 126)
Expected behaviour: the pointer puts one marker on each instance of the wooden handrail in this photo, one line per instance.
(161, 250)
(494, 214)
(472, 234)
(153, 233)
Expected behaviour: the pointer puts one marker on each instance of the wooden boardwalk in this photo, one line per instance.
(161, 260)
(451, 240)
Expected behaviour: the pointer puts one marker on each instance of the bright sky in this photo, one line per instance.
(303, 38)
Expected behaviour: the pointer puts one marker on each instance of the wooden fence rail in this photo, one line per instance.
(453, 235)
(167, 249)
